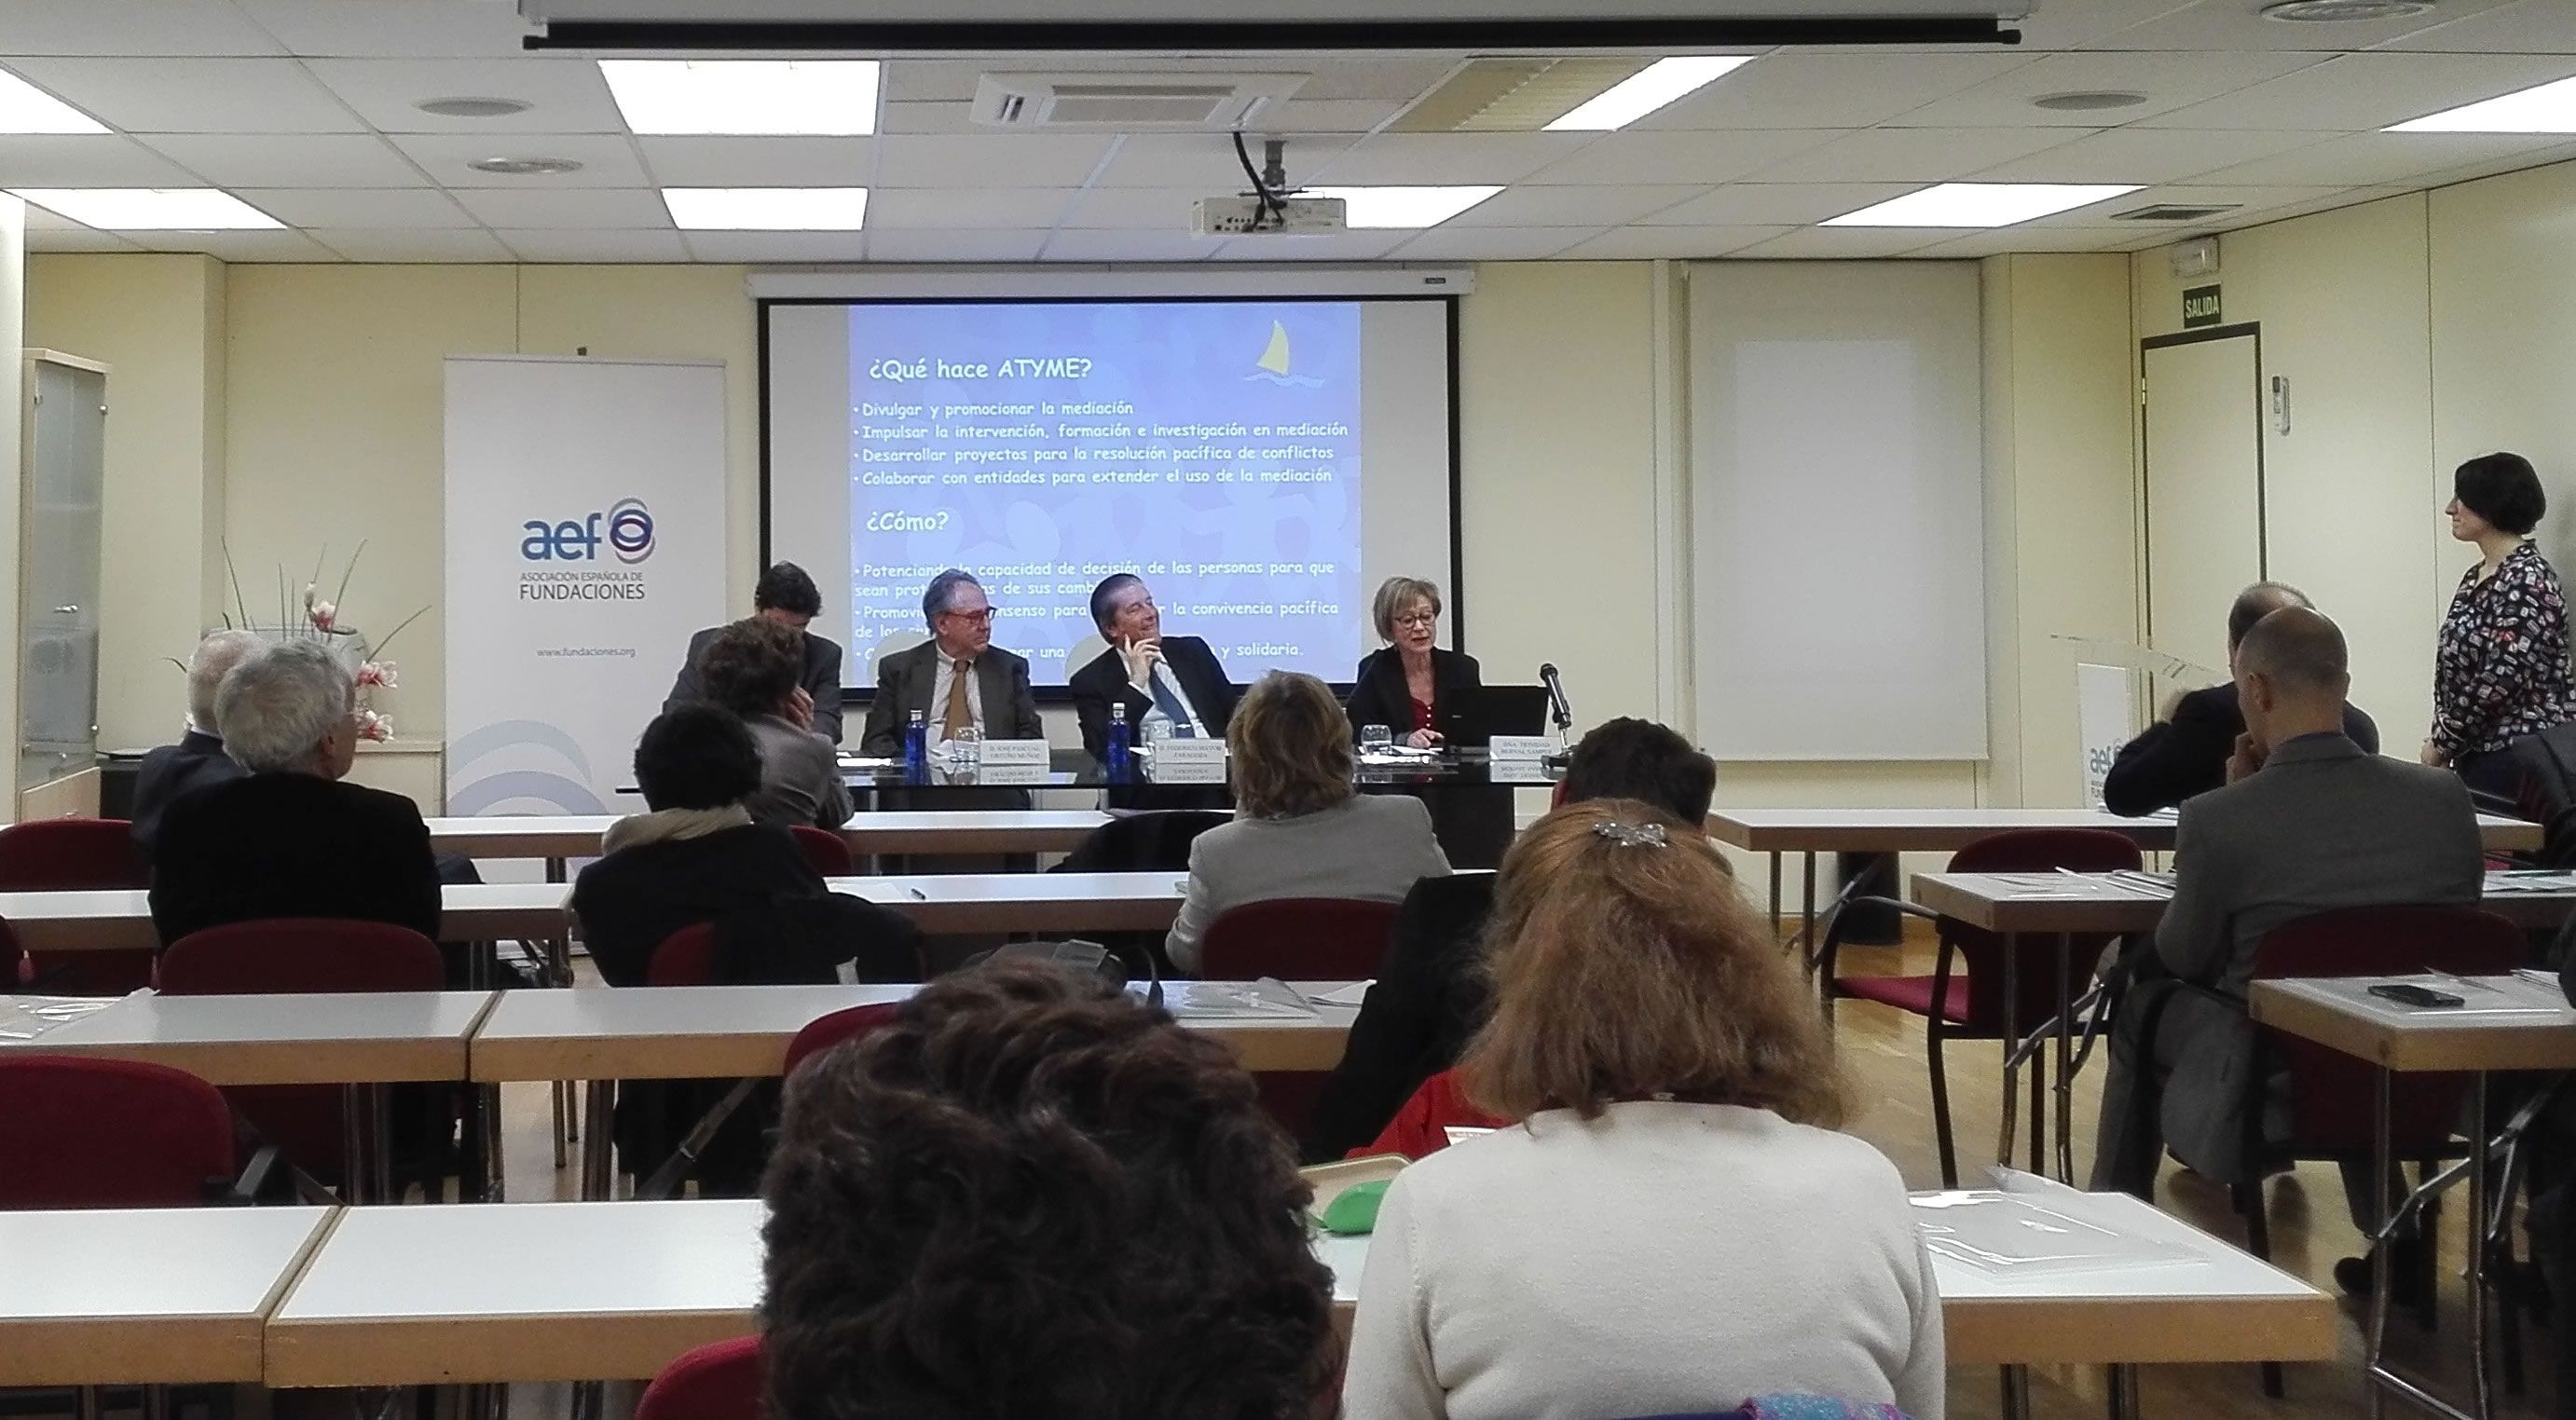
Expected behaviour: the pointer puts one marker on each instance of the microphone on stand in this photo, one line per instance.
(1563, 713)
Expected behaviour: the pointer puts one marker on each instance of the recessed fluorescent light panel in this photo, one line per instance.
(151, 209)
(1980, 204)
(1402, 206)
(2551, 108)
(767, 209)
(1647, 90)
(834, 97)
(24, 108)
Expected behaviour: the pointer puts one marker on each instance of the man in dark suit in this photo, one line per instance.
(2308, 822)
(959, 679)
(2186, 752)
(1429, 998)
(1176, 677)
(198, 759)
(289, 839)
(787, 597)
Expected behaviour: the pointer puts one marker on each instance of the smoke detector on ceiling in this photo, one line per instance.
(526, 167)
(467, 107)
(2088, 100)
(2344, 11)
(1213, 102)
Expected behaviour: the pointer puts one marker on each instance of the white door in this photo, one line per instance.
(2204, 482)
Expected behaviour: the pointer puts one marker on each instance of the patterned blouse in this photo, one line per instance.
(2500, 665)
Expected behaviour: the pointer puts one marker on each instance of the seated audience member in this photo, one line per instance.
(697, 856)
(750, 669)
(1175, 677)
(1672, 1225)
(1429, 995)
(1413, 687)
(1299, 829)
(2308, 822)
(1031, 1194)
(289, 839)
(785, 596)
(198, 759)
(958, 678)
(2186, 752)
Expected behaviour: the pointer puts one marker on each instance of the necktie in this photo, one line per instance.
(1170, 704)
(959, 715)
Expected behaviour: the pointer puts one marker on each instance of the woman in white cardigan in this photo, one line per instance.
(1673, 1225)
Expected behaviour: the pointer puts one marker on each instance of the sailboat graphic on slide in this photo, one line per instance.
(1273, 364)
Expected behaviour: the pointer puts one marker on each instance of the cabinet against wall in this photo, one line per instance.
(63, 449)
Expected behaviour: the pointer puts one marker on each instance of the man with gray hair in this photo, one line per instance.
(198, 759)
(958, 678)
(288, 838)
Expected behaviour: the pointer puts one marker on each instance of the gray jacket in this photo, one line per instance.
(906, 678)
(1371, 846)
(800, 779)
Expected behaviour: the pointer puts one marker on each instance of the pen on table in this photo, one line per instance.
(917, 894)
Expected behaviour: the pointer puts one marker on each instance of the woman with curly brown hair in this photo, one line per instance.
(1673, 1225)
(1032, 1195)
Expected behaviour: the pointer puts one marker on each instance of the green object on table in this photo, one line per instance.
(1353, 1211)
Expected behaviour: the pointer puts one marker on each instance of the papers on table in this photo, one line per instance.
(2515, 995)
(2535, 880)
(868, 761)
(1268, 999)
(2021, 1234)
(1350, 995)
(2127, 882)
(27, 1017)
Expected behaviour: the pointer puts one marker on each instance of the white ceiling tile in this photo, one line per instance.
(1848, 242)
(86, 160)
(2525, 27)
(1206, 161)
(195, 95)
(2357, 92)
(937, 80)
(2235, 25)
(347, 208)
(1704, 156)
(1766, 204)
(131, 27)
(967, 208)
(323, 160)
(775, 246)
(2534, 158)
(240, 246)
(2018, 239)
(1339, 246)
(989, 160)
(1805, 89)
(1408, 158)
(1913, 155)
(76, 239)
(1160, 245)
(1609, 205)
(377, 244)
(653, 247)
(2360, 159)
(2170, 81)
(573, 208)
(606, 161)
(1401, 79)
(1329, 116)
(2256, 215)
(2144, 155)
(782, 161)
(1140, 209)
(2051, 27)
(1670, 243)
(564, 95)
(1454, 243)
(927, 118)
(440, 28)
(977, 244)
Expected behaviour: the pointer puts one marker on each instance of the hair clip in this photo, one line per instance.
(1632, 835)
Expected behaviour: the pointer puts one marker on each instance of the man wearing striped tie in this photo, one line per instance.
(958, 678)
(1174, 678)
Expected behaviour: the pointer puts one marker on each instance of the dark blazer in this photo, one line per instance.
(292, 845)
(906, 679)
(2172, 760)
(196, 761)
(822, 680)
(629, 901)
(1378, 696)
(1427, 1001)
(1104, 682)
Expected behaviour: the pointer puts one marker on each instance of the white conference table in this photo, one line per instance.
(556, 837)
(157, 1296)
(320, 1038)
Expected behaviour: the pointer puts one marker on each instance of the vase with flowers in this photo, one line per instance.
(319, 619)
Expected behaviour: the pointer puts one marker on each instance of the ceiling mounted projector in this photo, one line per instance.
(1274, 217)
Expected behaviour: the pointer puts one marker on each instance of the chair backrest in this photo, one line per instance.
(829, 852)
(2331, 1092)
(722, 1381)
(2029, 850)
(68, 854)
(82, 1133)
(294, 954)
(824, 1032)
(686, 958)
(1156, 842)
(1298, 938)
(1421, 1127)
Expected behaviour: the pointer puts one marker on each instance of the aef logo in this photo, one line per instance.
(628, 531)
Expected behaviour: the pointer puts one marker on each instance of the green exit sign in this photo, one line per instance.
(2199, 307)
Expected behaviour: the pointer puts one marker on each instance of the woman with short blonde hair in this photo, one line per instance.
(1673, 1172)
(1414, 688)
(1299, 830)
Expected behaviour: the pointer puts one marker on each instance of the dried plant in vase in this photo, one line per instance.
(321, 621)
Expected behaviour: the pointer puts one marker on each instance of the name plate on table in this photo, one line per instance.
(1191, 761)
(1521, 748)
(1015, 754)
(1005, 774)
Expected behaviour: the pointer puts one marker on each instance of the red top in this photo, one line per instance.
(1422, 714)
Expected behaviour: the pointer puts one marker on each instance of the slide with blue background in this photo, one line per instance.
(1211, 447)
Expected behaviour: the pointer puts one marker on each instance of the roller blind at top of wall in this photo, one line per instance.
(1837, 490)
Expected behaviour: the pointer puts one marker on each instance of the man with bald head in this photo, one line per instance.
(2185, 752)
(2307, 822)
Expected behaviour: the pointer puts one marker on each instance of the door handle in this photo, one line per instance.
(66, 611)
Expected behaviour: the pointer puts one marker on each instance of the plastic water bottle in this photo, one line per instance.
(1117, 765)
(916, 746)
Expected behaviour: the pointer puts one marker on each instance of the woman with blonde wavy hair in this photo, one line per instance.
(1673, 1223)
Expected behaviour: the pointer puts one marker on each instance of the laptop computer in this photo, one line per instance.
(1501, 710)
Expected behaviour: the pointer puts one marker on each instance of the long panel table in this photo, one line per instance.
(322, 1038)
(158, 1296)
(562, 836)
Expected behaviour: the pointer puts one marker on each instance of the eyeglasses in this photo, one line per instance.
(984, 615)
(1418, 618)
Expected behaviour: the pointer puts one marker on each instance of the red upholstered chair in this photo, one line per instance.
(829, 852)
(83, 1133)
(65, 855)
(824, 1032)
(282, 956)
(1296, 939)
(1421, 1128)
(722, 1381)
(1973, 1008)
(686, 958)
